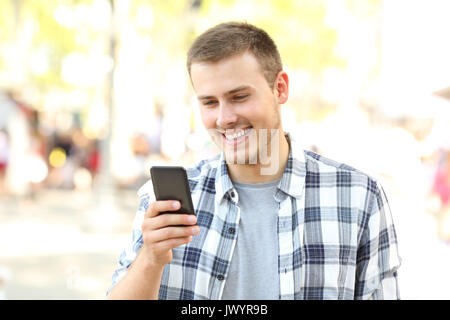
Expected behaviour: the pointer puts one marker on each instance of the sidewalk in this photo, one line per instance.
(63, 244)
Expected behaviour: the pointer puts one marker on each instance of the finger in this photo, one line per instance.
(171, 243)
(166, 220)
(171, 233)
(157, 207)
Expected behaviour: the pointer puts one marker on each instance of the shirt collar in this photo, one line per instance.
(291, 183)
(293, 180)
(223, 181)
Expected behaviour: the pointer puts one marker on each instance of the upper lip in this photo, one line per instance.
(233, 131)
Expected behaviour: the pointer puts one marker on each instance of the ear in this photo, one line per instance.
(281, 87)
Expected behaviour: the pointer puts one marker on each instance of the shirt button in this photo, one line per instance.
(231, 230)
(232, 194)
(220, 277)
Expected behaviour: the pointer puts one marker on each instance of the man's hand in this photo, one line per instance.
(161, 232)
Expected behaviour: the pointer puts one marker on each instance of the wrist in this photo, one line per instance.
(147, 264)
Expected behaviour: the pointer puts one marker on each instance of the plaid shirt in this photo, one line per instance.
(336, 237)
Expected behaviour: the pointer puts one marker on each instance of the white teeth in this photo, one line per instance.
(238, 134)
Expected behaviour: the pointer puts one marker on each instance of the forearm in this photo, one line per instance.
(388, 288)
(141, 282)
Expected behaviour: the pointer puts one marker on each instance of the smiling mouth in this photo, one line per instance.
(236, 136)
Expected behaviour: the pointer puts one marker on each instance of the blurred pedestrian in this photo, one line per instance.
(15, 120)
(441, 187)
(4, 156)
(93, 160)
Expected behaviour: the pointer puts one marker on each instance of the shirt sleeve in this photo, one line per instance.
(378, 257)
(131, 250)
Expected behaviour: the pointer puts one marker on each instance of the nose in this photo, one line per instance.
(226, 118)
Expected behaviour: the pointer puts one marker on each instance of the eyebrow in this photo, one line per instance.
(240, 88)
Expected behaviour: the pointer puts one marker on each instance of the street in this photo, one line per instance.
(58, 247)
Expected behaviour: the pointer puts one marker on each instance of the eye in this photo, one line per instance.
(240, 97)
(209, 102)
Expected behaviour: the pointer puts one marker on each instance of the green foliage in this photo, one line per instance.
(6, 19)
(298, 28)
(57, 39)
(5, 22)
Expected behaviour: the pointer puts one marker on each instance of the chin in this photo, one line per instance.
(244, 157)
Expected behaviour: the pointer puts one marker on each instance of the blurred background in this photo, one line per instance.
(95, 92)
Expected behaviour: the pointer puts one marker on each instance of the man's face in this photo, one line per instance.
(235, 103)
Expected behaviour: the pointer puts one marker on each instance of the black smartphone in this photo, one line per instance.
(171, 183)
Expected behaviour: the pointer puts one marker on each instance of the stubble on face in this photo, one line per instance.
(259, 147)
(213, 79)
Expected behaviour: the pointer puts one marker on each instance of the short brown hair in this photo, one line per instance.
(231, 38)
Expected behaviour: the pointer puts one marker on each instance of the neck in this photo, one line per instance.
(258, 173)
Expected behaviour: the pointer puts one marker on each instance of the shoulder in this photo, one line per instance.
(321, 163)
(343, 175)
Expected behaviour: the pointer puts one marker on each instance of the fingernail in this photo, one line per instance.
(175, 204)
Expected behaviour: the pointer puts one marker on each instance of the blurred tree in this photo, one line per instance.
(298, 28)
(48, 31)
(5, 25)
(306, 41)
(50, 37)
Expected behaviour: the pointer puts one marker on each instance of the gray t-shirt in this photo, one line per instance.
(253, 271)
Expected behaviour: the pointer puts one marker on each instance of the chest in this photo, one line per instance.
(317, 245)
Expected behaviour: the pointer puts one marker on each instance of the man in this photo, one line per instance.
(272, 221)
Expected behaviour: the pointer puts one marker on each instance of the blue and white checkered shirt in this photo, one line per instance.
(335, 233)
